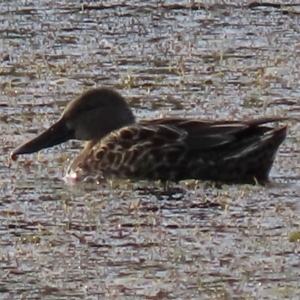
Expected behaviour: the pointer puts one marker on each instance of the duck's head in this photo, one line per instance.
(89, 117)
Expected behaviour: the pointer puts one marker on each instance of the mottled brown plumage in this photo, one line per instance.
(167, 149)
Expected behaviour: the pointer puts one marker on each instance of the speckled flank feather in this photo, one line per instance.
(167, 149)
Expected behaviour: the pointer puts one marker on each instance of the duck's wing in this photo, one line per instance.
(213, 135)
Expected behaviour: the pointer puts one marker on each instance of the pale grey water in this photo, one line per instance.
(212, 60)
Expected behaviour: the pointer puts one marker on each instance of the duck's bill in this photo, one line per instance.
(55, 135)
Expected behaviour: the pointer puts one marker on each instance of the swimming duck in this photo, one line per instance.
(166, 149)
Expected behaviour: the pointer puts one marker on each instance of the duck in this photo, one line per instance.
(163, 149)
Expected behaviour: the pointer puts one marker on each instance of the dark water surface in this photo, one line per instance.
(212, 59)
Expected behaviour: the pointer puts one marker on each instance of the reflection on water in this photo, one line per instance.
(127, 240)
